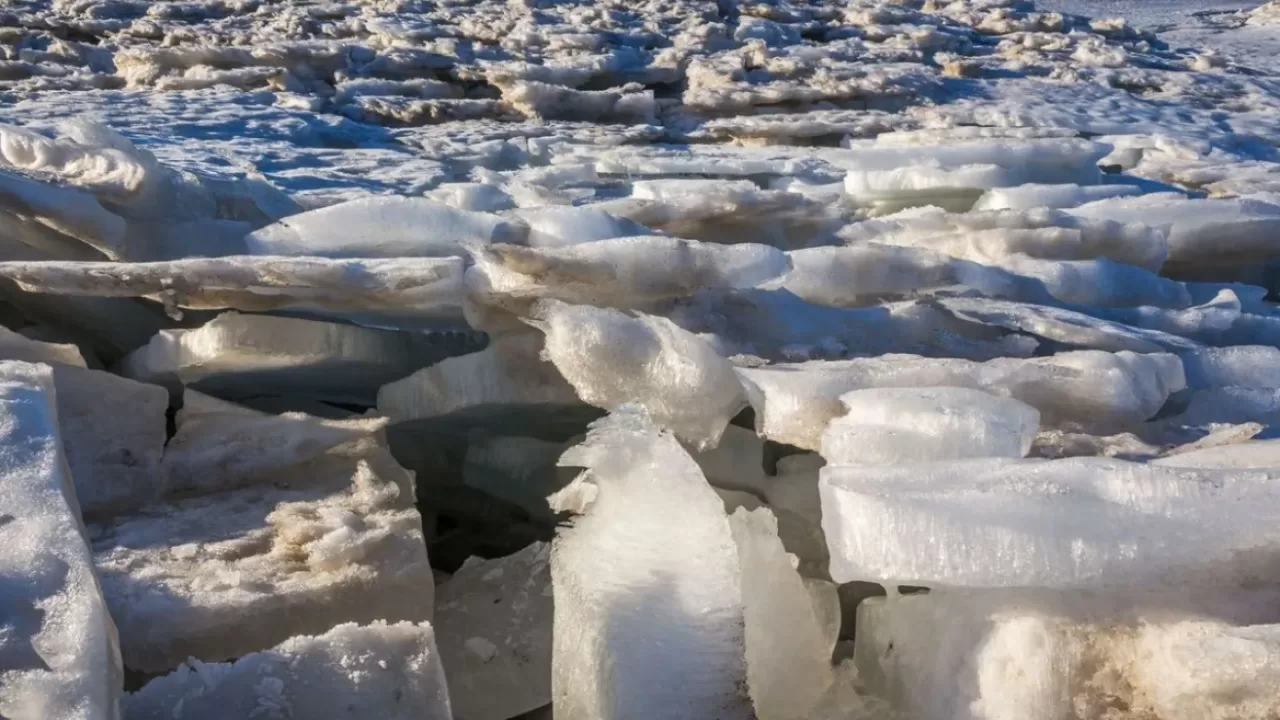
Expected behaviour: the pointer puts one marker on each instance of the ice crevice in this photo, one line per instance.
(853, 360)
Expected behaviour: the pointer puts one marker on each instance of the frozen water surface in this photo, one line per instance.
(492, 360)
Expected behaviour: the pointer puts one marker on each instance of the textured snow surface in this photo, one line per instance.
(656, 341)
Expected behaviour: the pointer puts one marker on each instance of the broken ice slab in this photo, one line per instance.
(612, 359)
(220, 446)
(330, 540)
(1068, 328)
(1220, 239)
(113, 327)
(561, 225)
(1080, 521)
(112, 428)
(401, 292)
(855, 275)
(1026, 197)
(788, 654)
(237, 355)
(725, 211)
(114, 435)
(623, 272)
(1234, 405)
(1244, 454)
(383, 227)
(648, 607)
(993, 235)
(494, 632)
(59, 655)
(1023, 654)
(954, 176)
(1103, 391)
(894, 426)
(502, 386)
(776, 325)
(388, 671)
(1239, 366)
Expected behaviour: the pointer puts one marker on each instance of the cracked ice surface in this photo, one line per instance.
(664, 337)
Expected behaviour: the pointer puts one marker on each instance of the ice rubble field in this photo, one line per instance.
(734, 360)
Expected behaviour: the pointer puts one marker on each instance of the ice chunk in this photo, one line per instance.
(1030, 196)
(648, 610)
(1038, 233)
(389, 671)
(557, 226)
(14, 346)
(59, 656)
(955, 175)
(114, 434)
(795, 402)
(895, 426)
(383, 227)
(1079, 521)
(1246, 454)
(331, 540)
(1000, 656)
(220, 446)
(1241, 366)
(1232, 405)
(1068, 327)
(860, 274)
(237, 355)
(624, 272)
(59, 222)
(507, 377)
(507, 604)
(612, 359)
(788, 654)
(1208, 239)
(400, 289)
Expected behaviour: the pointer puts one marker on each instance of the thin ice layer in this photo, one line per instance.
(331, 540)
(392, 290)
(494, 619)
(612, 359)
(388, 671)
(1017, 654)
(383, 227)
(240, 355)
(1091, 389)
(894, 426)
(59, 656)
(1080, 521)
(648, 612)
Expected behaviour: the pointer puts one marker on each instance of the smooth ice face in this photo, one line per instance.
(1015, 654)
(1247, 454)
(612, 359)
(388, 292)
(648, 604)
(894, 426)
(788, 654)
(245, 355)
(214, 576)
(389, 671)
(383, 227)
(1105, 392)
(60, 655)
(495, 634)
(1080, 521)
